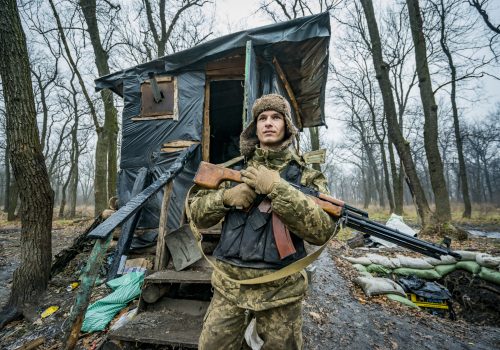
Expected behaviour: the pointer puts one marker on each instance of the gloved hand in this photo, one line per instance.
(240, 196)
(262, 179)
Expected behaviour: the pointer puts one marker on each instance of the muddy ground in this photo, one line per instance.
(337, 315)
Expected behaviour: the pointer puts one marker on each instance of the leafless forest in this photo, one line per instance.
(385, 111)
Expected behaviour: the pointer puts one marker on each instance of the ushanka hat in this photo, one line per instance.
(271, 102)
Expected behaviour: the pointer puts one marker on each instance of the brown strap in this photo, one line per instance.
(282, 238)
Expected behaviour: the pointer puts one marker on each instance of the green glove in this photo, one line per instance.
(262, 179)
(241, 196)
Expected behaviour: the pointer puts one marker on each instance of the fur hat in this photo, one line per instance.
(271, 102)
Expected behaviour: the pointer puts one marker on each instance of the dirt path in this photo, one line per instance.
(335, 319)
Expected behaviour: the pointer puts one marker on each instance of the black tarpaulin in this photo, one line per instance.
(300, 45)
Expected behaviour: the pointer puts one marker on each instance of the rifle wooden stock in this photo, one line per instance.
(211, 176)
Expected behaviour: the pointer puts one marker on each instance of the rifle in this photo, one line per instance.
(210, 176)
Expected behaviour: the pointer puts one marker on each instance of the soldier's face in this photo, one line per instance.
(270, 129)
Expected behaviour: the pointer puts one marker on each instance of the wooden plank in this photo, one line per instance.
(238, 71)
(226, 62)
(289, 90)
(205, 151)
(88, 278)
(162, 254)
(180, 143)
(199, 272)
(160, 116)
(175, 322)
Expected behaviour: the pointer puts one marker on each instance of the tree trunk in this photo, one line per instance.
(314, 136)
(27, 160)
(435, 165)
(100, 186)
(110, 127)
(7, 180)
(397, 182)
(402, 146)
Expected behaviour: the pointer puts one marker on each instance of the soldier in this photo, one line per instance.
(247, 248)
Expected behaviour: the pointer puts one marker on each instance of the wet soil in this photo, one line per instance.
(337, 316)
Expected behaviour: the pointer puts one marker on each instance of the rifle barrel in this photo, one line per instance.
(359, 223)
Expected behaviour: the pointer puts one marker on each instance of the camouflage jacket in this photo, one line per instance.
(298, 212)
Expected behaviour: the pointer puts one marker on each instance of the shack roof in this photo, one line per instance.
(300, 46)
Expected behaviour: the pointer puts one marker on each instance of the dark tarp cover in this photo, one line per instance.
(300, 45)
(301, 48)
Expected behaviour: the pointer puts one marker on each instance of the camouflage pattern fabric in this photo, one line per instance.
(298, 212)
(225, 323)
(277, 304)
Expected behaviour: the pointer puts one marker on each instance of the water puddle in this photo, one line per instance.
(487, 234)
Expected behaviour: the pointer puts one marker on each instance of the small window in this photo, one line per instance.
(166, 108)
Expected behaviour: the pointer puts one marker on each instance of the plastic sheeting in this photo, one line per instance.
(300, 45)
(142, 142)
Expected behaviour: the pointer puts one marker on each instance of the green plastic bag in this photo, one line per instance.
(402, 300)
(429, 274)
(471, 266)
(375, 268)
(100, 313)
(490, 275)
(443, 270)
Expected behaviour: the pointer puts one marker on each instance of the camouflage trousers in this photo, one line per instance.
(225, 323)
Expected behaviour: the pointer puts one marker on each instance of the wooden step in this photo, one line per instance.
(199, 272)
(174, 322)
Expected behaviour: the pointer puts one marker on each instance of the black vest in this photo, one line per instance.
(247, 238)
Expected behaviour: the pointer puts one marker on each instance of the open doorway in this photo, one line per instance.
(226, 108)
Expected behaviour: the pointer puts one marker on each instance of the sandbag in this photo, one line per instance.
(490, 275)
(363, 260)
(365, 274)
(395, 222)
(487, 260)
(429, 274)
(444, 260)
(375, 268)
(402, 300)
(377, 286)
(359, 267)
(381, 260)
(467, 255)
(396, 262)
(470, 266)
(413, 263)
(443, 270)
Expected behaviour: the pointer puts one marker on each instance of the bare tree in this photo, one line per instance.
(480, 6)
(403, 148)
(282, 10)
(442, 200)
(28, 165)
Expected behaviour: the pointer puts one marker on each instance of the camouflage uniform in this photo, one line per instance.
(275, 305)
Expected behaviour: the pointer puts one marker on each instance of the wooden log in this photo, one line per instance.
(33, 344)
(162, 254)
(154, 291)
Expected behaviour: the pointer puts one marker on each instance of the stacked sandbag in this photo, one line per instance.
(481, 265)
